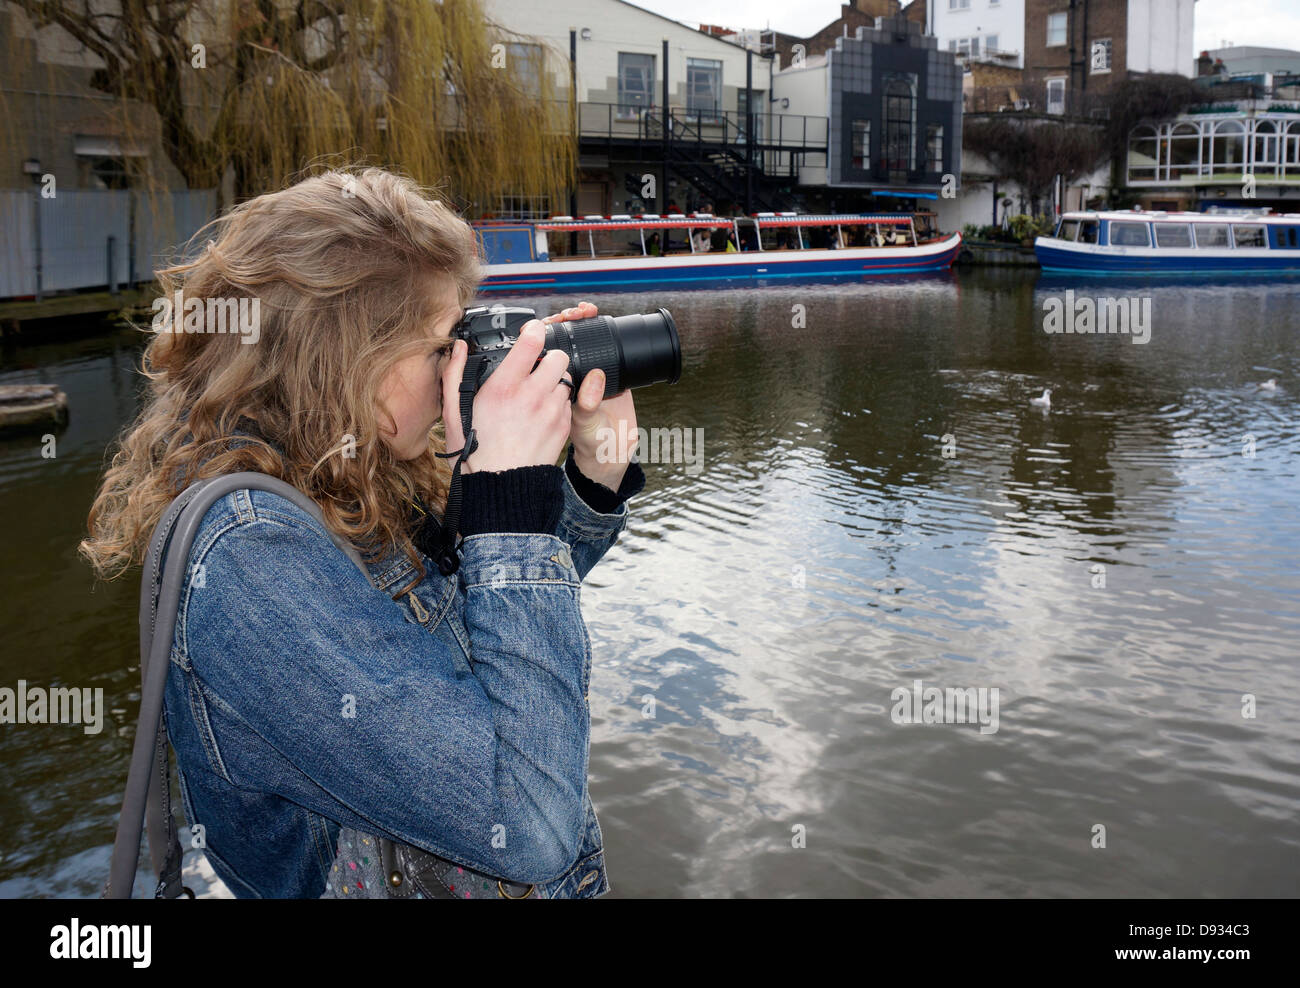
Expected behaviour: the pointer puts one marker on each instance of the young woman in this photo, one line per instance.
(308, 706)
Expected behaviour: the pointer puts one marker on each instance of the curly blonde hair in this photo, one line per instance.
(347, 267)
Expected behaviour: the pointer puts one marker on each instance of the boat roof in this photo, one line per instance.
(1181, 217)
(654, 221)
(829, 219)
(646, 221)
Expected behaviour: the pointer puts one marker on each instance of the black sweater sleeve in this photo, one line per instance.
(599, 497)
(528, 499)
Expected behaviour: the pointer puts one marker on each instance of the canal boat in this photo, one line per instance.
(1131, 241)
(651, 251)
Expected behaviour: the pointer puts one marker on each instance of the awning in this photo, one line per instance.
(901, 194)
(106, 147)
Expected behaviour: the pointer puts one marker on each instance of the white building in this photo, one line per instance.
(993, 29)
(619, 73)
(1160, 36)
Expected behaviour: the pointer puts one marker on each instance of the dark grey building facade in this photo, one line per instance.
(895, 109)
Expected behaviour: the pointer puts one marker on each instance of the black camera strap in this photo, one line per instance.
(447, 559)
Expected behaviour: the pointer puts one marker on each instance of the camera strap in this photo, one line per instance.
(447, 559)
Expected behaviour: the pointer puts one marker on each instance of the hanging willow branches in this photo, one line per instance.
(1032, 152)
(262, 89)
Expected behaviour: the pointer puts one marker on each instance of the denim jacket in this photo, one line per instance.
(301, 698)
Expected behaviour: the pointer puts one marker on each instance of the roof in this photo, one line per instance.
(1143, 215)
(1252, 51)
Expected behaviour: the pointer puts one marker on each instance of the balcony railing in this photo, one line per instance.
(1035, 98)
(625, 122)
(989, 56)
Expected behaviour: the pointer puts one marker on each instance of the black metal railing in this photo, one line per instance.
(1038, 99)
(635, 123)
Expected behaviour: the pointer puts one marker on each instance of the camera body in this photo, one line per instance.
(633, 351)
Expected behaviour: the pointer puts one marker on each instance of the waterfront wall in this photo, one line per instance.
(81, 239)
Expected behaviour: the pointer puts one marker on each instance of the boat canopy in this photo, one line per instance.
(562, 224)
(831, 219)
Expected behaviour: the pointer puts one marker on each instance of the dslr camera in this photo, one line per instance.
(633, 351)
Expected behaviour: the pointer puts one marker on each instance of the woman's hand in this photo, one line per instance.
(603, 432)
(521, 415)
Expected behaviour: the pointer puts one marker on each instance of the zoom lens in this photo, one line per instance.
(633, 351)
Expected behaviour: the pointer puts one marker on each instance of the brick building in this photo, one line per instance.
(1076, 51)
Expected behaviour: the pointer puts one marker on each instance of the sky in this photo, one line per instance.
(1270, 23)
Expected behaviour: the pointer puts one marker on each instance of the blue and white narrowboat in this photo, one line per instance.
(1129, 242)
(624, 252)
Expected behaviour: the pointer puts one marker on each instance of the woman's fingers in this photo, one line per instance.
(518, 362)
(583, 310)
(548, 373)
(451, 375)
(452, 427)
(592, 392)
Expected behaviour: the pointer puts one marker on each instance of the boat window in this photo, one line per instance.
(1068, 230)
(1211, 235)
(1173, 235)
(1129, 235)
(1249, 235)
(1088, 232)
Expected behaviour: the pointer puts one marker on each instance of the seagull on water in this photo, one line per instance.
(1269, 385)
(1045, 401)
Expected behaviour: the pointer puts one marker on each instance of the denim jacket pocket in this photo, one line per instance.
(585, 880)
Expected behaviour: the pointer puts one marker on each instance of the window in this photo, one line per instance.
(959, 4)
(703, 87)
(1249, 236)
(1068, 230)
(1266, 145)
(105, 173)
(1184, 150)
(742, 114)
(861, 144)
(1055, 95)
(1229, 146)
(636, 83)
(514, 207)
(990, 43)
(1211, 235)
(1056, 24)
(1101, 55)
(934, 147)
(900, 122)
(525, 61)
(1143, 147)
(1129, 234)
(1173, 235)
(1291, 143)
(1088, 232)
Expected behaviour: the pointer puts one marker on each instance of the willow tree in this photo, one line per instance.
(1032, 152)
(262, 89)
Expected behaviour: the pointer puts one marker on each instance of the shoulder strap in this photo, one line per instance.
(161, 583)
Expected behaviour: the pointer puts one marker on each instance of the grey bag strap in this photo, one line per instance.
(160, 589)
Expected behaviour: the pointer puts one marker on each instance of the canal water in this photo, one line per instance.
(868, 508)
